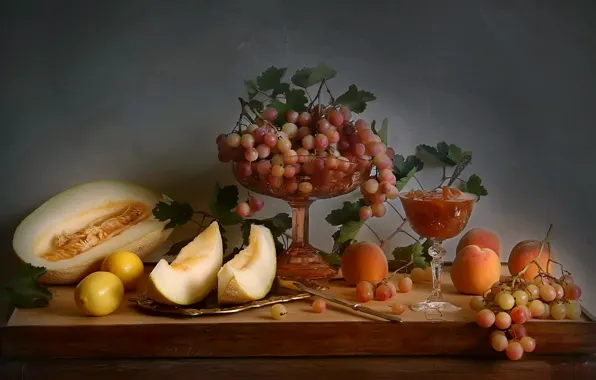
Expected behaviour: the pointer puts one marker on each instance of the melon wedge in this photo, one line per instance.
(73, 231)
(250, 274)
(193, 274)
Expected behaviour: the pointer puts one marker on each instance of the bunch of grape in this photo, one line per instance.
(315, 152)
(507, 308)
(250, 207)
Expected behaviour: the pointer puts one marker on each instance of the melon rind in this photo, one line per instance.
(62, 211)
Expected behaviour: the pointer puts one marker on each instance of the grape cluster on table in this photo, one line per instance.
(507, 309)
(312, 151)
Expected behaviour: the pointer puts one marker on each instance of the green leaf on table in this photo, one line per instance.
(271, 78)
(413, 252)
(251, 88)
(448, 155)
(296, 99)
(347, 213)
(404, 169)
(355, 99)
(223, 201)
(474, 186)
(177, 213)
(24, 290)
(309, 76)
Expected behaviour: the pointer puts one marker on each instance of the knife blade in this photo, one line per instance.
(351, 305)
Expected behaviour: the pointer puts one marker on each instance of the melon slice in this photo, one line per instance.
(250, 274)
(73, 231)
(193, 274)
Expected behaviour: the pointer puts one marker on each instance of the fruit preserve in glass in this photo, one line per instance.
(438, 215)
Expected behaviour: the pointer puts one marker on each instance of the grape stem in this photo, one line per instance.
(329, 92)
(386, 279)
(459, 168)
(244, 104)
(374, 233)
(397, 230)
(318, 96)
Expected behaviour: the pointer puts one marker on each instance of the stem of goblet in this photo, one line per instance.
(300, 223)
(437, 252)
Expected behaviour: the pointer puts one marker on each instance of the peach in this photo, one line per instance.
(482, 238)
(523, 253)
(475, 270)
(363, 261)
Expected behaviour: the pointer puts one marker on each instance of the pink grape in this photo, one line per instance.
(385, 187)
(366, 135)
(537, 308)
(348, 130)
(290, 157)
(359, 149)
(528, 344)
(270, 139)
(560, 293)
(364, 291)
(573, 310)
(404, 284)
(256, 204)
(245, 169)
(335, 118)
(519, 315)
(277, 159)
(331, 163)
(485, 318)
(558, 311)
(499, 342)
(302, 131)
(264, 167)
(393, 194)
(323, 126)
(379, 210)
(382, 292)
(284, 145)
(319, 305)
(251, 154)
(259, 135)
(263, 150)
(547, 293)
(270, 114)
(375, 148)
(242, 209)
(277, 171)
(304, 119)
(308, 168)
(390, 152)
(365, 213)
(321, 142)
(233, 140)
(517, 331)
(343, 146)
(502, 320)
(291, 187)
(371, 186)
(308, 142)
(567, 279)
(398, 308)
(386, 175)
(291, 116)
(333, 136)
(361, 125)
(289, 171)
(247, 141)
(345, 113)
(344, 164)
(289, 129)
(514, 350)
(533, 291)
(305, 187)
(573, 292)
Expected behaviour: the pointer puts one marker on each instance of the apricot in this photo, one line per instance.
(364, 261)
(482, 238)
(475, 270)
(523, 253)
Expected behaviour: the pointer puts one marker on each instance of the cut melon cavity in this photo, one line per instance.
(250, 274)
(193, 274)
(72, 232)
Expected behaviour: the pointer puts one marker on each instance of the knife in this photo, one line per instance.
(352, 305)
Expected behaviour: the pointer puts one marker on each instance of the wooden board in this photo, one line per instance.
(131, 332)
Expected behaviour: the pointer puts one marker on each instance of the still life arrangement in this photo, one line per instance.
(298, 141)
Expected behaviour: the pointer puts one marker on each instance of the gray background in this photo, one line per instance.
(138, 90)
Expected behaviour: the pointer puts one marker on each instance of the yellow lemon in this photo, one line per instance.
(126, 265)
(99, 294)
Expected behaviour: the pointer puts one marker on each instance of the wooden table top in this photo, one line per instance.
(60, 330)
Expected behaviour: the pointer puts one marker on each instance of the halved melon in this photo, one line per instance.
(73, 231)
(193, 274)
(250, 274)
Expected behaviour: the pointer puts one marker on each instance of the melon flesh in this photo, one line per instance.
(250, 274)
(193, 274)
(72, 232)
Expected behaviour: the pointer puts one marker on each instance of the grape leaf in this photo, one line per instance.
(251, 88)
(349, 230)
(277, 224)
(414, 252)
(224, 239)
(348, 213)
(177, 213)
(404, 169)
(23, 289)
(309, 76)
(449, 155)
(296, 99)
(382, 133)
(256, 105)
(355, 99)
(222, 202)
(281, 108)
(271, 78)
(280, 89)
(474, 186)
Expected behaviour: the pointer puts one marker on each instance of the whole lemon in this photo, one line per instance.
(99, 294)
(126, 265)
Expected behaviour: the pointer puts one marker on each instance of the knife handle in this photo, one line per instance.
(376, 313)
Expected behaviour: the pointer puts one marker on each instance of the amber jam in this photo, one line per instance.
(438, 214)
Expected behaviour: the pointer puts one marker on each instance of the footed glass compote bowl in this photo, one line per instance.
(300, 181)
(438, 214)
